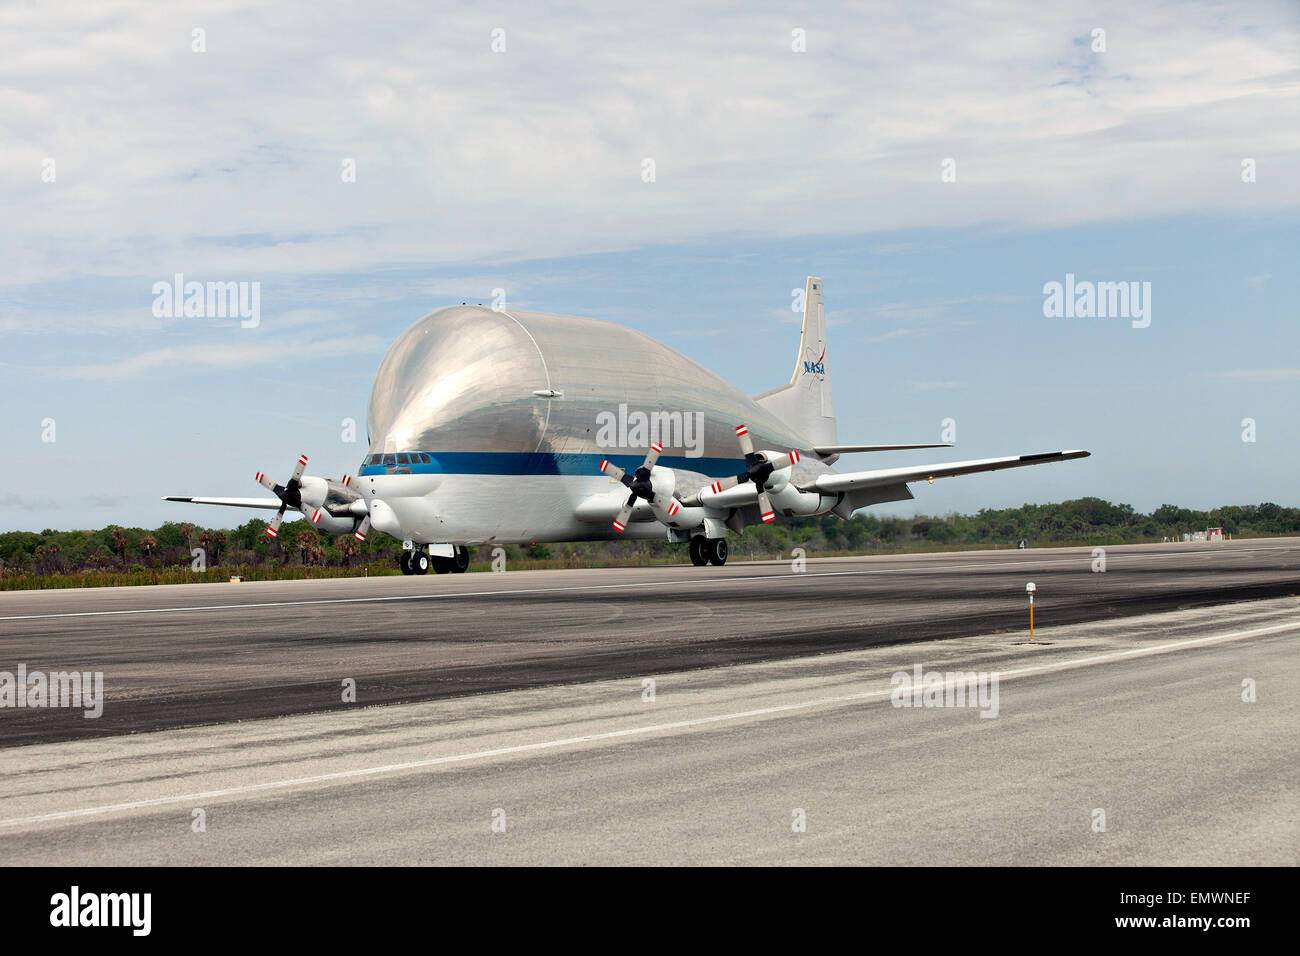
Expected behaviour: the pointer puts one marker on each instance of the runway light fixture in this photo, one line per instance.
(1030, 588)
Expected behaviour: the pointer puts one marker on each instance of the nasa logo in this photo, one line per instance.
(816, 368)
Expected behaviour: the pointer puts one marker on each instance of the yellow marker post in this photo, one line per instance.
(1030, 588)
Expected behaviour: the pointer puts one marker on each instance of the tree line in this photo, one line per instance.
(186, 546)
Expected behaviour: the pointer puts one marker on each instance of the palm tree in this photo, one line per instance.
(347, 547)
(119, 543)
(148, 543)
(308, 545)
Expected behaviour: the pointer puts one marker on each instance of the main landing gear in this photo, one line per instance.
(708, 551)
(418, 561)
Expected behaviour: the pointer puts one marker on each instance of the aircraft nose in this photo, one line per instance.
(382, 518)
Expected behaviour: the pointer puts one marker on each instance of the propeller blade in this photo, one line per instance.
(347, 480)
(265, 482)
(765, 507)
(274, 527)
(784, 461)
(652, 455)
(360, 533)
(611, 469)
(624, 514)
(746, 443)
(724, 484)
(671, 505)
(299, 468)
(316, 516)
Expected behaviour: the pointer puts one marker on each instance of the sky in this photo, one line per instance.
(680, 170)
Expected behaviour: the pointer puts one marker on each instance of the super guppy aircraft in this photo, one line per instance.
(495, 426)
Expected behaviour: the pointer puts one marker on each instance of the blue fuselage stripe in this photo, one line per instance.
(545, 463)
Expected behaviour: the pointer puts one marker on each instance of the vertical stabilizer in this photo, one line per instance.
(805, 402)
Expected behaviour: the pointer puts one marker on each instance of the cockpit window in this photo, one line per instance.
(390, 459)
(403, 459)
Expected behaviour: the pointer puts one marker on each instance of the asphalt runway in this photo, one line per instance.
(215, 653)
(1120, 742)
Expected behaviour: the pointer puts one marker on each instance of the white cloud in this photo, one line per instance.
(229, 161)
(934, 386)
(238, 355)
(1258, 374)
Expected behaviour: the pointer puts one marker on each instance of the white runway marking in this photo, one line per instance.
(194, 798)
(728, 581)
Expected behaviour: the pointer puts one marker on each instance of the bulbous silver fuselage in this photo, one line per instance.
(468, 379)
(475, 412)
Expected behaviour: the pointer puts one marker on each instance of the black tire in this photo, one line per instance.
(419, 563)
(718, 551)
(404, 562)
(460, 559)
(699, 555)
(442, 565)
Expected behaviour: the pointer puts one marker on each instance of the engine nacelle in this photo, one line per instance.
(329, 524)
(314, 492)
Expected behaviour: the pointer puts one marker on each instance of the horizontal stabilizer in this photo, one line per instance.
(856, 480)
(270, 504)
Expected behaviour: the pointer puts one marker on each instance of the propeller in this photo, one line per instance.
(640, 486)
(758, 470)
(290, 495)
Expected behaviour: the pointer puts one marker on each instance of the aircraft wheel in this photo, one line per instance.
(699, 553)
(404, 562)
(460, 560)
(419, 563)
(442, 565)
(718, 551)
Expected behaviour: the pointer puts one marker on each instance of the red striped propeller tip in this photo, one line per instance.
(270, 532)
(260, 476)
(603, 465)
(618, 526)
(315, 517)
(794, 456)
(347, 480)
(715, 487)
(768, 517)
(302, 459)
(672, 508)
(741, 430)
(359, 536)
(656, 447)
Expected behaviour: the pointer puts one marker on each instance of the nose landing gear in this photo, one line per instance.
(414, 562)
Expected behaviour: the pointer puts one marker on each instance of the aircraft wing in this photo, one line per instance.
(825, 451)
(859, 480)
(270, 504)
